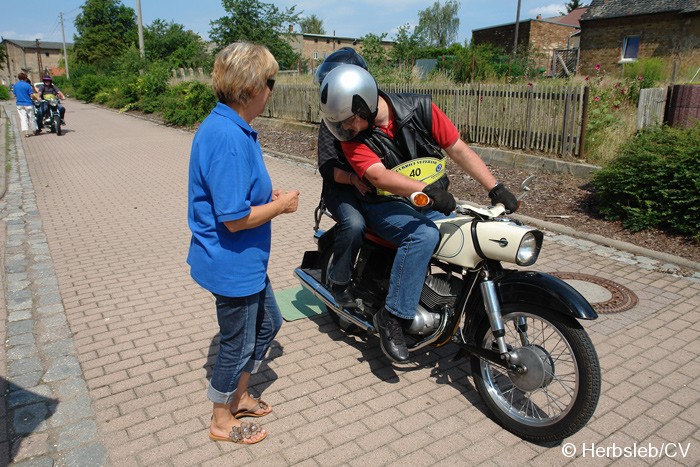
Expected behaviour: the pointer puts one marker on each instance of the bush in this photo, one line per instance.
(188, 103)
(4, 93)
(88, 86)
(654, 183)
(152, 87)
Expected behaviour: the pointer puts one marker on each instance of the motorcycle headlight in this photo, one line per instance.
(529, 248)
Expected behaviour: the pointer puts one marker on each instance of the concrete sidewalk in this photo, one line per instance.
(108, 342)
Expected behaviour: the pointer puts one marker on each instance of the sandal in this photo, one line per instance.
(253, 412)
(239, 434)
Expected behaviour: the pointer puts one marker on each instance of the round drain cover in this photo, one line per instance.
(605, 296)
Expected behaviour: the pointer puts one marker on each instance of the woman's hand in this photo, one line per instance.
(289, 200)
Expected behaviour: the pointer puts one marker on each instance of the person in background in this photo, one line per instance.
(24, 94)
(51, 90)
(231, 203)
(340, 184)
(381, 132)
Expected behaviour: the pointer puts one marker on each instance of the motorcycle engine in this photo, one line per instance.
(439, 291)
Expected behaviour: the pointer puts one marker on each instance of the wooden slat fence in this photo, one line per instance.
(650, 110)
(539, 118)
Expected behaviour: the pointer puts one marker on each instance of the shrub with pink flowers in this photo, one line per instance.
(611, 102)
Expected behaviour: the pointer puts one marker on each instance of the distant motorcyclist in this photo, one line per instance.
(46, 90)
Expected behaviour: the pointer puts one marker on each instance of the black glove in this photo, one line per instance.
(500, 195)
(443, 201)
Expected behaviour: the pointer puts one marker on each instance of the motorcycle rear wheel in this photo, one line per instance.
(558, 393)
(57, 124)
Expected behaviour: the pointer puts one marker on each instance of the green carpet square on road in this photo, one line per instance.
(297, 303)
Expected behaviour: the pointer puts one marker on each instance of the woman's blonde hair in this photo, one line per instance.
(241, 70)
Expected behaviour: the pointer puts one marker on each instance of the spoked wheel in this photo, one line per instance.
(342, 323)
(557, 390)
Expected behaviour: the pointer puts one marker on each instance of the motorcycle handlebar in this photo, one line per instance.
(421, 200)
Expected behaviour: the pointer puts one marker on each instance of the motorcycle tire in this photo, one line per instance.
(57, 124)
(342, 323)
(559, 391)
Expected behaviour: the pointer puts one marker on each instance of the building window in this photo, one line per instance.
(315, 55)
(47, 54)
(324, 55)
(630, 48)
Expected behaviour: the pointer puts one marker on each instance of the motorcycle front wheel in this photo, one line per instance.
(558, 391)
(57, 124)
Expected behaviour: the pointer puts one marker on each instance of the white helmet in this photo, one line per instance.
(348, 90)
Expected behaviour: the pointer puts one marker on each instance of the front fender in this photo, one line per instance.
(543, 289)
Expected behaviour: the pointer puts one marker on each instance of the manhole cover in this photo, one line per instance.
(618, 297)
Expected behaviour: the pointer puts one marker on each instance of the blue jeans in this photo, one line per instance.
(247, 326)
(346, 209)
(416, 235)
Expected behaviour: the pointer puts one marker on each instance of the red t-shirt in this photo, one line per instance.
(361, 157)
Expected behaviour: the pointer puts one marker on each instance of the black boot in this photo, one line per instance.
(342, 296)
(391, 336)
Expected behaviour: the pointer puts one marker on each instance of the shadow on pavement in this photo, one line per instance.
(26, 413)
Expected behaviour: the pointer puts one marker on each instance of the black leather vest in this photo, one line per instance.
(413, 136)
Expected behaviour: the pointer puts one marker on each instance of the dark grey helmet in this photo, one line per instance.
(348, 90)
(343, 56)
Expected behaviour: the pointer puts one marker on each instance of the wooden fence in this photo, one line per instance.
(536, 118)
(651, 107)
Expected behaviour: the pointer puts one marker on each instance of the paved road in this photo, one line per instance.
(108, 342)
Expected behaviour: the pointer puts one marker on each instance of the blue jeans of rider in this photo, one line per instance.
(416, 235)
(346, 209)
(247, 326)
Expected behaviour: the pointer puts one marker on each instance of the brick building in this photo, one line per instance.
(314, 48)
(543, 36)
(616, 32)
(33, 57)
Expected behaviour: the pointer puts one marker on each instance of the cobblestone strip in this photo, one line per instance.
(49, 415)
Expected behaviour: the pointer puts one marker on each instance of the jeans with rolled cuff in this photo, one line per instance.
(247, 327)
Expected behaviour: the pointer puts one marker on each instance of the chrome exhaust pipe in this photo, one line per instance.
(319, 291)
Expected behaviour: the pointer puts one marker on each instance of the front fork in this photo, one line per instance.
(493, 312)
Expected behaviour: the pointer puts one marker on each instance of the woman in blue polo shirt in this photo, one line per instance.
(231, 205)
(24, 94)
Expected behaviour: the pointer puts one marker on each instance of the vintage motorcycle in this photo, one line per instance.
(533, 364)
(51, 118)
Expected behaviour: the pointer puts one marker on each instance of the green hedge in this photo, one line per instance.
(188, 103)
(4, 93)
(654, 183)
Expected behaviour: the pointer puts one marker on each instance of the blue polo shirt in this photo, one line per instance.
(227, 176)
(23, 92)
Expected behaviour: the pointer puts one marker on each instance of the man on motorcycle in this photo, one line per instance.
(407, 132)
(49, 89)
(340, 185)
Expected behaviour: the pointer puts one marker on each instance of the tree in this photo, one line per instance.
(105, 29)
(405, 48)
(438, 24)
(255, 21)
(571, 6)
(312, 25)
(372, 50)
(170, 42)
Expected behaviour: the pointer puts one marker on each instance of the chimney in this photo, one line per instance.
(539, 17)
